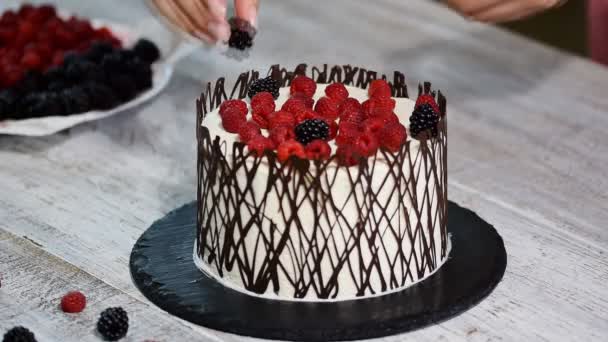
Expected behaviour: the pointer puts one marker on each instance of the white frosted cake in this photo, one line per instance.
(323, 229)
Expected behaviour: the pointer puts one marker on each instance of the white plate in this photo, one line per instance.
(162, 71)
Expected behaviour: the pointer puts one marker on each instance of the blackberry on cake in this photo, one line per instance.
(267, 84)
(146, 50)
(113, 323)
(19, 334)
(312, 129)
(424, 118)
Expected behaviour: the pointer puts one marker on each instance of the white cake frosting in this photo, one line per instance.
(389, 244)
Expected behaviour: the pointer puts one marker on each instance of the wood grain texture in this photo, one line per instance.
(528, 152)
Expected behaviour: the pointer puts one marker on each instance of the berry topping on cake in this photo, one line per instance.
(232, 120)
(290, 148)
(73, 302)
(19, 334)
(355, 117)
(262, 98)
(312, 129)
(347, 155)
(366, 145)
(258, 144)
(428, 99)
(308, 100)
(281, 118)
(239, 105)
(318, 150)
(328, 108)
(347, 133)
(248, 131)
(373, 126)
(379, 88)
(393, 136)
(350, 104)
(267, 84)
(422, 119)
(294, 105)
(306, 114)
(113, 323)
(304, 85)
(281, 134)
(337, 91)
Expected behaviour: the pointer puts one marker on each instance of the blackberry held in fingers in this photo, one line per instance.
(311, 129)
(267, 84)
(113, 324)
(424, 118)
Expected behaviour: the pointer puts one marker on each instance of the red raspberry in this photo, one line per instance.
(263, 97)
(232, 120)
(263, 109)
(73, 302)
(260, 120)
(57, 58)
(259, 144)
(350, 104)
(281, 118)
(318, 150)
(385, 102)
(354, 117)
(378, 106)
(303, 84)
(64, 38)
(346, 134)
(328, 108)
(9, 18)
(428, 99)
(12, 77)
(393, 136)
(7, 35)
(390, 119)
(31, 60)
(379, 88)
(336, 91)
(248, 131)
(281, 134)
(290, 148)
(306, 114)
(333, 130)
(240, 106)
(293, 105)
(308, 101)
(373, 126)
(366, 145)
(347, 155)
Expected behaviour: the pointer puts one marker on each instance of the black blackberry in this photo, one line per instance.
(19, 334)
(72, 57)
(76, 100)
(147, 51)
(424, 118)
(141, 72)
(124, 86)
(113, 62)
(98, 50)
(54, 74)
(264, 84)
(80, 70)
(312, 129)
(8, 100)
(241, 34)
(113, 323)
(41, 104)
(101, 96)
(31, 82)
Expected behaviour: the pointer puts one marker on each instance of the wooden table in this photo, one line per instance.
(528, 153)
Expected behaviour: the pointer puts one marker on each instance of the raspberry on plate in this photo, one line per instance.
(259, 144)
(303, 84)
(318, 150)
(73, 302)
(248, 131)
(263, 109)
(337, 91)
(232, 120)
(262, 121)
(379, 88)
(290, 148)
(240, 105)
(328, 108)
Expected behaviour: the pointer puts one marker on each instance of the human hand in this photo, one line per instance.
(205, 19)
(497, 11)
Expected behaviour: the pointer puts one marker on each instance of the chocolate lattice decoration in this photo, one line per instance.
(308, 242)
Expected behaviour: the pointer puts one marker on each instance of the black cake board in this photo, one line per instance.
(163, 269)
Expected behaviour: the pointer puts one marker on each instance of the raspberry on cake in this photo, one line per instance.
(331, 199)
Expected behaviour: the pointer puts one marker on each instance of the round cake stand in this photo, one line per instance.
(163, 269)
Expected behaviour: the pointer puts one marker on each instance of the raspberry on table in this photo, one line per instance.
(267, 84)
(336, 91)
(19, 334)
(318, 150)
(290, 148)
(232, 120)
(113, 323)
(248, 131)
(328, 108)
(393, 136)
(303, 84)
(73, 302)
(281, 118)
(379, 88)
(239, 105)
(259, 144)
(311, 129)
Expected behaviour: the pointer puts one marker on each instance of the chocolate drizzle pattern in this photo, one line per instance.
(235, 233)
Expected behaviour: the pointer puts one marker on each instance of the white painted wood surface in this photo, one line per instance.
(528, 152)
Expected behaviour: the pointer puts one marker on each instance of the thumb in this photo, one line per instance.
(247, 10)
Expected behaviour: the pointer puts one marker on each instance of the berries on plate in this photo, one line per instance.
(147, 51)
(304, 85)
(19, 334)
(113, 324)
(73, 302)
(267, 84)
(290, 148)
(311, 129)
(262, 98)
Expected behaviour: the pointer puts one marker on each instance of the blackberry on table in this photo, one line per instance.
(113, 324)
(19, 334)
(264, 84)
(311, 129)
(101, 96)
(146, 50)
(424, 118)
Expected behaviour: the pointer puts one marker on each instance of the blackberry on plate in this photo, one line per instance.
(31, 82)
(113, 324)
(83, 70)
(147, 51)
(40, 104)
(241, 34)
(311, 129)
(8, 100)
(98, 50)
(101, 96)
(264, 84)
(124, 86)
(76, 100)
(54, 74)
(113, 62)
(72, 57)
(424, 118)
(19, 334)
